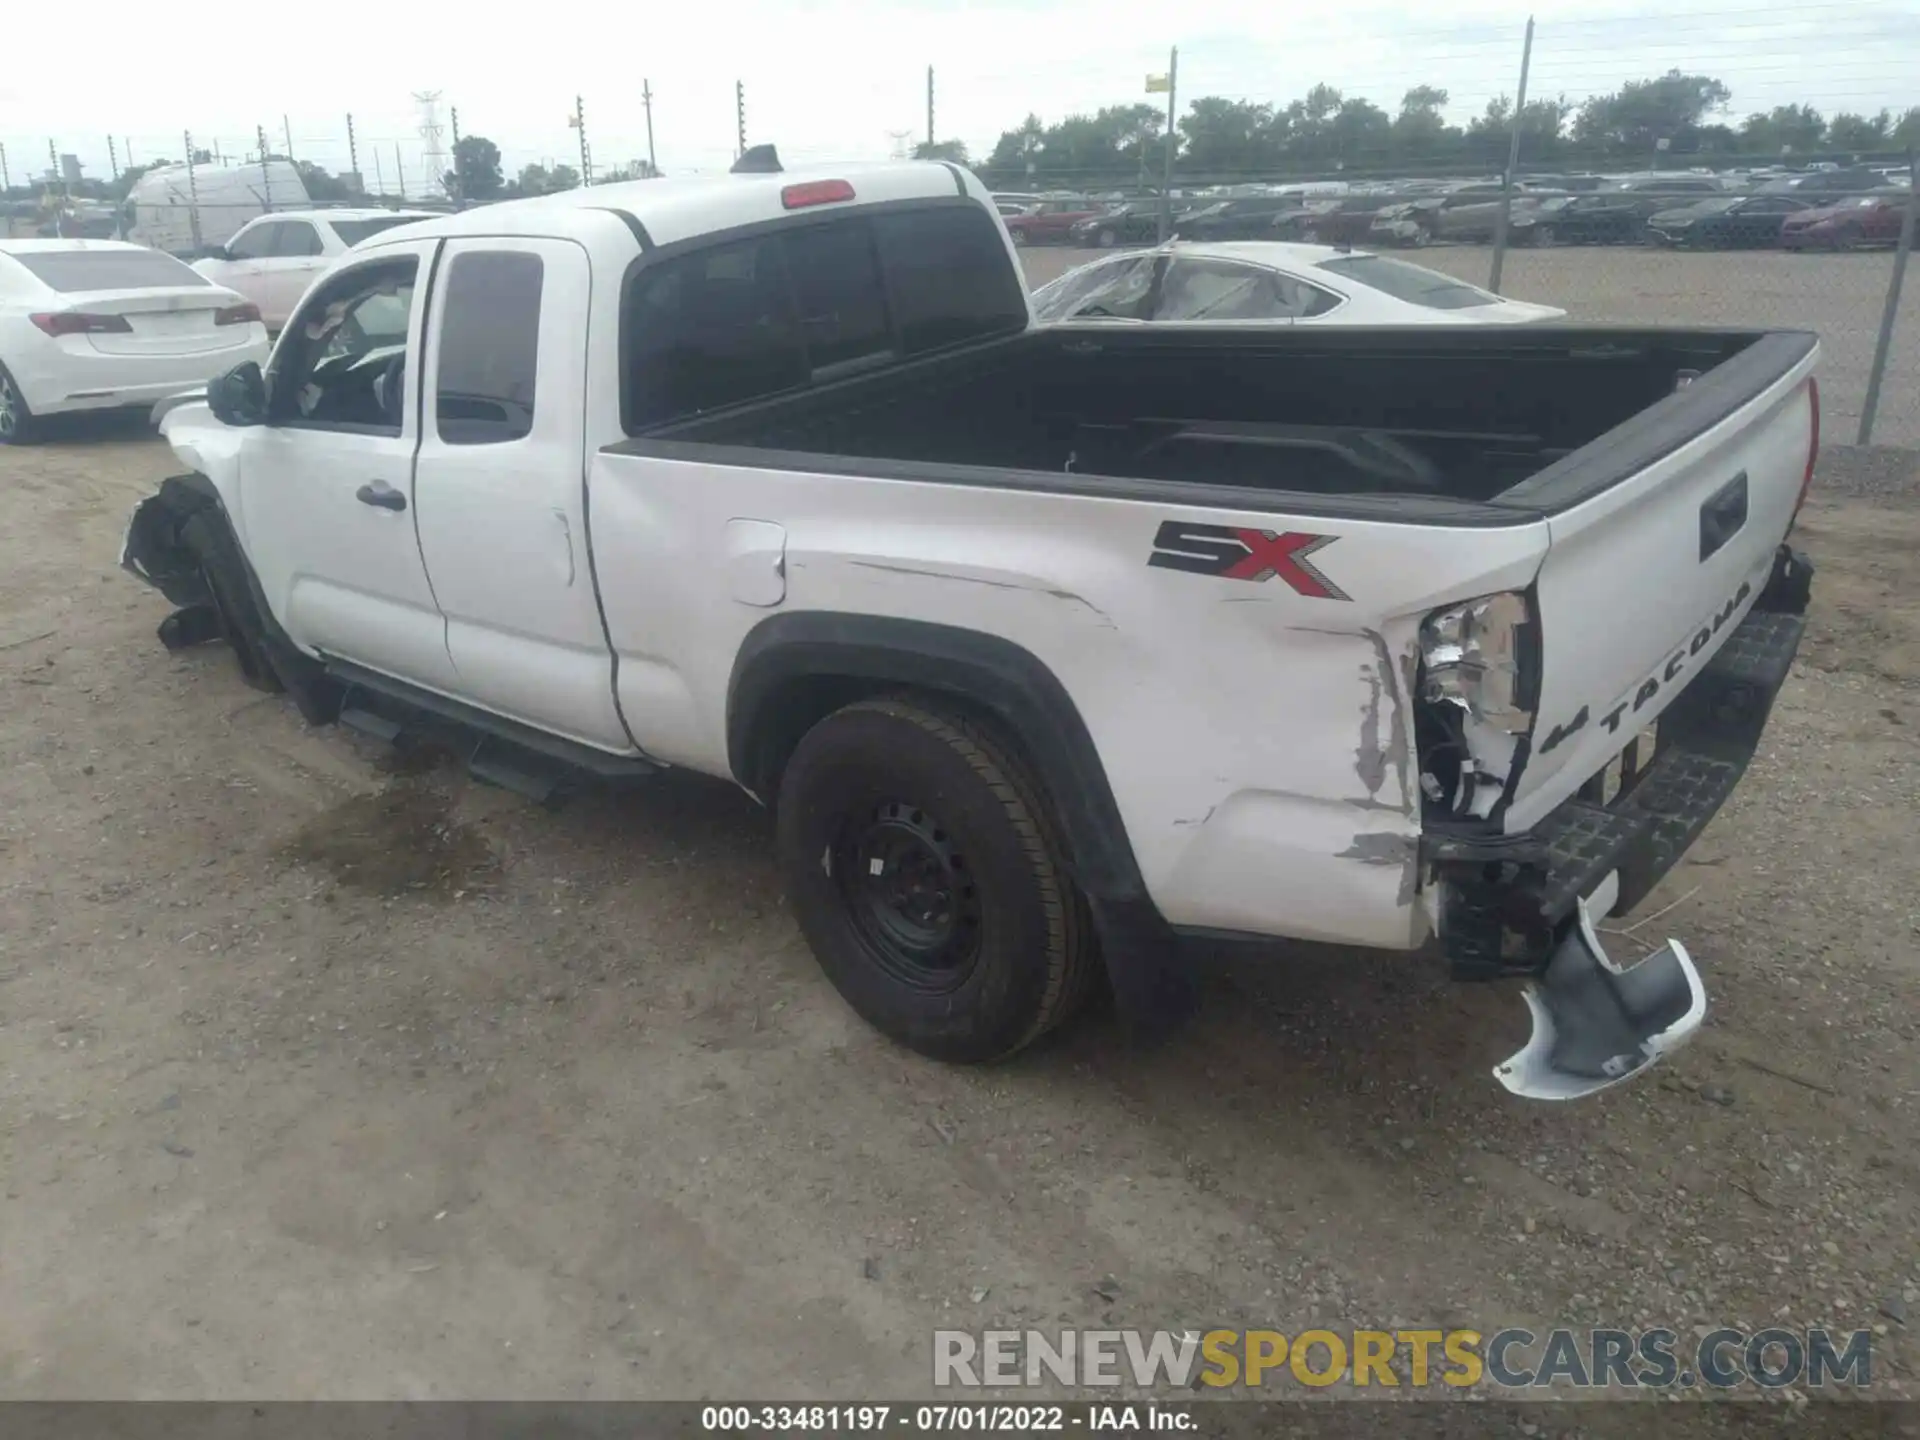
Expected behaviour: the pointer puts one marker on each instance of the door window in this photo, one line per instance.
(255, 242)
(342, 363)
(295, 238)
(489, 347)
(1219, 290)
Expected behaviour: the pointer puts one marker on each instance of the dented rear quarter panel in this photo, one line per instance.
(1257, 739)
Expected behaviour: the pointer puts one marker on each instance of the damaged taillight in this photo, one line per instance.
(1479, 681)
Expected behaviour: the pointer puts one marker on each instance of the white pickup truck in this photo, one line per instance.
(1049, 646)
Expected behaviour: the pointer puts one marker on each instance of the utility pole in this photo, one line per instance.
(740, 115)
(1513, 160)
(266, 174)
(455, 117)
(646, 99)
(6, 176)
(193, 194)
(579, 122)
(113, 158)
(1166, 175)
(129, 141)
(379, 176)
(353, 150)
(399, 170)
(286, 128)
(929, 108)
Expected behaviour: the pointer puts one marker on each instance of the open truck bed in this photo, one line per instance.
(1310, 421)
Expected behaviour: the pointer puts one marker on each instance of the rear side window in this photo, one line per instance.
(950, 278)
(750, 318)
(1414, 284)
(489, 347)
(75, 270)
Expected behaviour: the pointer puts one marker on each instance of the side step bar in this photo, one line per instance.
(529, 762)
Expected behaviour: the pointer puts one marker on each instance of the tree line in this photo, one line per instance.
(1673, 118)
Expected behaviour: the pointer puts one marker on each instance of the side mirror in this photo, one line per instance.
(239, 397)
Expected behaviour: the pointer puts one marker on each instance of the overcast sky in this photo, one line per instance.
(831, 81)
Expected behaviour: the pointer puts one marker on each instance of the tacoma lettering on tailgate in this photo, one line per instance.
(1675, 667)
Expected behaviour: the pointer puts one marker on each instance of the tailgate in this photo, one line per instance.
(1645, 580)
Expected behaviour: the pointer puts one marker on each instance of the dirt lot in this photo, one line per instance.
(1840, 296)
(324, 1080)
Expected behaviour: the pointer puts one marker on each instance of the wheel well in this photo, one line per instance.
(794, 670)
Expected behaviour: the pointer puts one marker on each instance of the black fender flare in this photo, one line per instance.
(784, 655)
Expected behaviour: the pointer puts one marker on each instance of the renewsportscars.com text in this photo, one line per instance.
(1506, 1359)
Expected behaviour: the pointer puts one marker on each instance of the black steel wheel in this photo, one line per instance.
(926, 872)
(909, 895)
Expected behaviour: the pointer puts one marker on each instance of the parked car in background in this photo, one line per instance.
(1050, 222)
(1136, 222)
(1826, 186)
(1467, 212)
(101, 324)
(272, 260)
(1603, 217)
(1333, 222)
(186, 215)
(1250, 281)
(1859, 220)
(1246, 218)
(1735, 222)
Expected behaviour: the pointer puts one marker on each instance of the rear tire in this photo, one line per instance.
(1020, 238)
(17, 423)
(1847, 238)
(1106, 239)
(1545, 236)
(926, 874)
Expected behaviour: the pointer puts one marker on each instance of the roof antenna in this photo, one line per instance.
(757, 160)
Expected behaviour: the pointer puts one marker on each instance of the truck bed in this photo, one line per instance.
(1459, 414)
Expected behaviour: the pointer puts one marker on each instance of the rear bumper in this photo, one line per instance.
(1506, 902)
(57, 383)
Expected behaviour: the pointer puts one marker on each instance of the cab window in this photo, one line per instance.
(342, 363)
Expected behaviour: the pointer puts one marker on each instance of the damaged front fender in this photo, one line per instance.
(156, 550)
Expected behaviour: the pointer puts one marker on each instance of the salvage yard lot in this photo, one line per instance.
(326, 1079)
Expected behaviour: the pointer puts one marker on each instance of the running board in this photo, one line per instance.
(495, 751)
(1595, 1024)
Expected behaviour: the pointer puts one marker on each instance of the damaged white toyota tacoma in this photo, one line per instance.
(1049, 646)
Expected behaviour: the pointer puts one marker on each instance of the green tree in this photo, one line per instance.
(1490, 136)
(1641, 112)
(1420, 130)
(954, 151)
(1784, 130)
(563, 177)
(1359, 133)
(476, 170)
(1228, 137)
(1906, 130)
(1858, 133)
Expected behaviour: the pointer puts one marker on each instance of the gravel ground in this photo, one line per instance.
(1842, 297)
(327, 1080)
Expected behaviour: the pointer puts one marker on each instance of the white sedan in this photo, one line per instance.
(99, 324)
(1273, 282)
(272, 260)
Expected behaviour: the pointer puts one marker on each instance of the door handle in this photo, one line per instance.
(378, 492)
